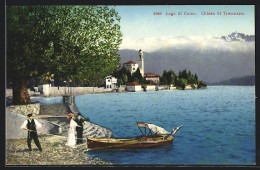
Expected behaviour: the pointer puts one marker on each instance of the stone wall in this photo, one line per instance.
(9, 92)
(61, 91)
(14, 121)
(46, 90)
(27, 109)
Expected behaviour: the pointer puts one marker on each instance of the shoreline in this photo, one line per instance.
(55, 152)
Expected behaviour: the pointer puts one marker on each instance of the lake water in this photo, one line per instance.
(219, 124)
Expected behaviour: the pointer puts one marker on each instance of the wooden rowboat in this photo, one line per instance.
(145, 141)
(131, 143)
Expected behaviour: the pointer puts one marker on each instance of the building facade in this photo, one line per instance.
(134, 87)
(111, 82)
(152, 77)
(131, 66)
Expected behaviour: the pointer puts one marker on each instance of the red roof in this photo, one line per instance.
(150, 74)
(152, 77)
(130, 62)
(133, 84)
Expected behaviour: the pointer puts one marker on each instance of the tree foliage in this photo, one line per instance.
(77, 43)
(124, 76)
(168, 77)
(138, 76)
(180, 81)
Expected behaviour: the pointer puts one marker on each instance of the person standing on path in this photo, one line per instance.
(30, 125)
(71, 141)
(80, 120)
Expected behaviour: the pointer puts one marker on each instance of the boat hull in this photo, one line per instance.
(131, 143)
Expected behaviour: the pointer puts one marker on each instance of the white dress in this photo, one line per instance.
(71, 141)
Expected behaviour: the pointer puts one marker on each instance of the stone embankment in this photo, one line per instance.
(48, 91)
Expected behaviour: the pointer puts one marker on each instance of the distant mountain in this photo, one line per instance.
(242, 81)
(212, 59)
(235, 36)
(211, 65)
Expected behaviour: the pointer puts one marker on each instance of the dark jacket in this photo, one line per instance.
(80, 123)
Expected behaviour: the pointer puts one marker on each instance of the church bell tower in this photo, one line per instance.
(141, 62)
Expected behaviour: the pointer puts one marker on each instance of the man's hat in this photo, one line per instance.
(29, 115)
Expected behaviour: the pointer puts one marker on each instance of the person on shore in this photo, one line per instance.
(80, 120)
(71, 141)
(30, 125)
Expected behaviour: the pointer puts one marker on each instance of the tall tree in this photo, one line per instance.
(77, 43)
(138, 76)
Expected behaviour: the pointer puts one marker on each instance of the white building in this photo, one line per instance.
(111, 82)
(134, 87)
(149, 87)
(152, 77)
(190, 86)
(131, 66)
(44, 89)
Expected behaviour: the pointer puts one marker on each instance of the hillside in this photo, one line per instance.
(242, 81)
(211, 65)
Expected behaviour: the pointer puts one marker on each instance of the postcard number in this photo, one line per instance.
(157, 13)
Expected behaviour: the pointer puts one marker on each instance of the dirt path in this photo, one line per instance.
(55, 152)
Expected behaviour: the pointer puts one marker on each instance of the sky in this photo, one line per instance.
(142, 29)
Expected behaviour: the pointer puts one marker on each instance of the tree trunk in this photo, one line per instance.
(20, 92)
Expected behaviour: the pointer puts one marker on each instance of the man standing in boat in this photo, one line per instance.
(80, 120)
(30, 125)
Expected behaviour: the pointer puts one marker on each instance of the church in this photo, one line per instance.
(132, 67)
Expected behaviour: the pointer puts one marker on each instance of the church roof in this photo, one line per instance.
(133, 84)
(151, 75)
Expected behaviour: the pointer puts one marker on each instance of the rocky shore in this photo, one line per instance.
(55, 152)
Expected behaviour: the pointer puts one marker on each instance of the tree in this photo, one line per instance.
(163, 79)
(183, 83)
(168, 77)
(138, 76)
(201, 84)
(77, 43)
(123, 74)
(171, 77)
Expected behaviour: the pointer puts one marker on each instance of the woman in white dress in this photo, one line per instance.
(71, 141)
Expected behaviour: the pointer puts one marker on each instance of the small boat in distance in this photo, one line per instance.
(159, 137)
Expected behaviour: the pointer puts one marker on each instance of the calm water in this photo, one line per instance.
(219, 124)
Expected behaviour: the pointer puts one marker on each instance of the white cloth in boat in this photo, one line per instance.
(157, 129)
